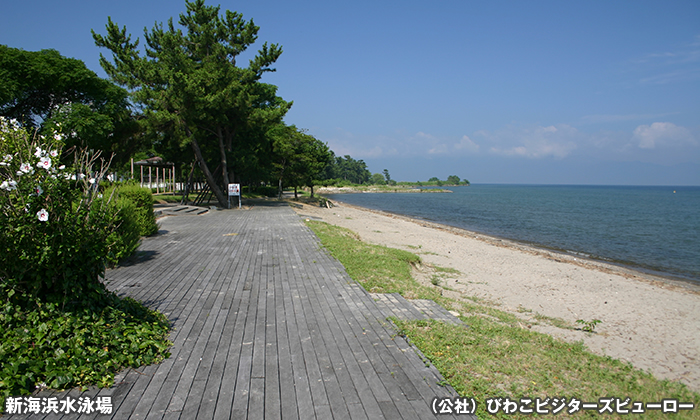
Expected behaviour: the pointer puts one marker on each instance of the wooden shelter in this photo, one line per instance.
(164, 178)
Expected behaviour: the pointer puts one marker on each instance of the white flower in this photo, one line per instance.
(8, 158)
(92, 180)
(8, 185)
(44, 162)
(26, 168)
(62, 167)
(39, 153)
(38, 190)
(43, 215)
(4, 164)
(53, 153)
(57, 136)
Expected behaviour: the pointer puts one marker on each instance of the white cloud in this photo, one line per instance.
(661, 134)
(537, 142)
(467, 145)
(427, 143)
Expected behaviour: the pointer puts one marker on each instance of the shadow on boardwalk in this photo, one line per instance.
(266, 326)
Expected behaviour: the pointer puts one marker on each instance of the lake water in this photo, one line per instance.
(649, 228)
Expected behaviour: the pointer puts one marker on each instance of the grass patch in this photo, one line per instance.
(429, 253)
(496, 356)
(377, 268)
(446, 270)
(490, 359)
(554, 321)
(167, 198)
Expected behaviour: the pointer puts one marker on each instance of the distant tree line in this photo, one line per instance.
(385, 179)
(451, 180)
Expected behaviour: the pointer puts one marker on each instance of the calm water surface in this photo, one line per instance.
(649, 228)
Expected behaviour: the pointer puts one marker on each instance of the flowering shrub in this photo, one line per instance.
(53, 224)
(59, 326)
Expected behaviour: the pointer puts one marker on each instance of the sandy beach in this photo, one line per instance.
(651, 322)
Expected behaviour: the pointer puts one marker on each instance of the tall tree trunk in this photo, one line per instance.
(188, 186)
(207, 173)
(222, 149)
(279, 186)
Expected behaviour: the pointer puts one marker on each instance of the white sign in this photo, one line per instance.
(234, 190)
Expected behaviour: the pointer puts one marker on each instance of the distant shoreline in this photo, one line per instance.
(380, 189)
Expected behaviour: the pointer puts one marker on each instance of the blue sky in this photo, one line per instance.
(543, 92)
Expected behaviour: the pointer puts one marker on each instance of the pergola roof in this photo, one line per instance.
(156, 161)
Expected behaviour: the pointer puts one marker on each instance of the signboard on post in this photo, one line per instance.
(234, 190)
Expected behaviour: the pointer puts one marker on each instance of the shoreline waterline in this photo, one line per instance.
(625, 269)
(653, 230)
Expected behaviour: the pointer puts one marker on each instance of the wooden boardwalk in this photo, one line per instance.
(266, 326)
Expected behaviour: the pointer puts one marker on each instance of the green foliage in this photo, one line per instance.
(298, 158)
(347, 169)
(59, 349)
(124, 240)
(132, 216)
(386, 175)
(142, 198)
(192, 91)
(377, 179)
(588, 326)
(44, 89)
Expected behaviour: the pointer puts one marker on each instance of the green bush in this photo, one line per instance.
(125, 239)
(143, 201)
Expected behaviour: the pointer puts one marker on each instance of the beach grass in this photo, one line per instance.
(496, 355)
